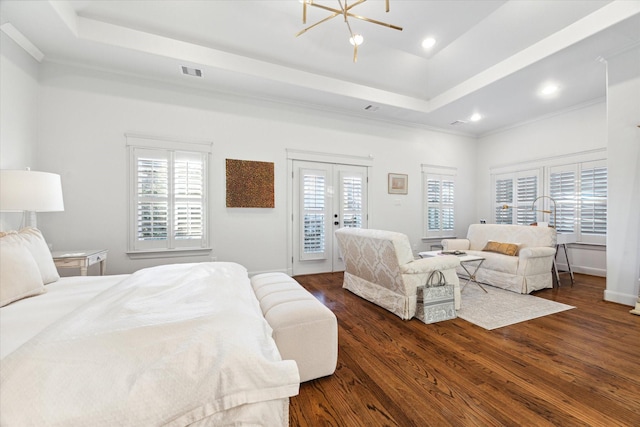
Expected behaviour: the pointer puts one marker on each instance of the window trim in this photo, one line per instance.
(149, 142)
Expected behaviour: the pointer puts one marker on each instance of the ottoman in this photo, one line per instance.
(304, 329)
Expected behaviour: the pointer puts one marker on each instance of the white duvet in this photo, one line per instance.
(170, 345)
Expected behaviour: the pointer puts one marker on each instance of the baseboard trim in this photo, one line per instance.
(617, 297)
(583, 270)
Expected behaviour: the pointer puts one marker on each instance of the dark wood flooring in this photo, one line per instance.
(580, 367)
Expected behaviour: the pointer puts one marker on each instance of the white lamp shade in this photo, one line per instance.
(25, 190)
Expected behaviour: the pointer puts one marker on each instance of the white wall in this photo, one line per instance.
(579, 130)
(18, 114)
(623, 232)
(85, 115)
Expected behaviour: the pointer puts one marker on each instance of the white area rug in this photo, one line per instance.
(499, 308)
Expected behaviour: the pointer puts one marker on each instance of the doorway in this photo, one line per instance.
(325, 197)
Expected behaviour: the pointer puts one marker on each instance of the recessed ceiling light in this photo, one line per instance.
(475, 117)
(428, 43)
(549, 89)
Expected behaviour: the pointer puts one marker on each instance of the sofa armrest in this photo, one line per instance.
(537, 252)
(455, 244)
(425, 265)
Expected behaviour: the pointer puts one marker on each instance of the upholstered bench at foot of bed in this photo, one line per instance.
(304, 329)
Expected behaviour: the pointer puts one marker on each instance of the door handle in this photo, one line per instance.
(336, 223)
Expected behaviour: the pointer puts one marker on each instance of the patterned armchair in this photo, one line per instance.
(380, 268)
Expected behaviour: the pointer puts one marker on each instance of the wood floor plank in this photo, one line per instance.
(575, 368)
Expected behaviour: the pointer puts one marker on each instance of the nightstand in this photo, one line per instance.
(81, 259)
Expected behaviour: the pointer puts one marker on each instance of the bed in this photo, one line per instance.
(176, 345)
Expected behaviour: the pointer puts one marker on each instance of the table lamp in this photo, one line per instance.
(29, 192)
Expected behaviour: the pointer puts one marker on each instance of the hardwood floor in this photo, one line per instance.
(580, 367)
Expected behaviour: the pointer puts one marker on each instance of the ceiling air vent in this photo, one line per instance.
(458, 122)
(191, 71)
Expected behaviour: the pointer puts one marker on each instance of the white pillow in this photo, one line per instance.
(34, 241)
(19, 273)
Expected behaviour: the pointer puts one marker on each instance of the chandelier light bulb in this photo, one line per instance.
(356, 40)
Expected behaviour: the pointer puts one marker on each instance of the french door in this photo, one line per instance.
(326, 196)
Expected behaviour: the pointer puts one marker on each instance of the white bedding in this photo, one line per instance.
(171, 345)
(22, 320)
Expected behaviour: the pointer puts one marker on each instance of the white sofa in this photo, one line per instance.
(527, 271)
(380, 267)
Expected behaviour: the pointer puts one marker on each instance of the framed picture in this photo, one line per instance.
(250, 184)
(398, 183)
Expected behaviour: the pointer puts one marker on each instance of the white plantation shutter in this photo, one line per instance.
(580, 192)
(448, 196)
(352, 190)
(593, 201)
(152, 196)
(504, 201)
(527, 191)
(577, 183)
(168, 192)
(189, 191)
(439, 201)
(562, 188)
(434, 219)
(513, 195)
(313, 213)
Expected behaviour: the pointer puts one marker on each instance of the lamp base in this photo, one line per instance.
(29, 219)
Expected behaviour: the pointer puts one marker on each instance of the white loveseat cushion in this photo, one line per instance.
(498, 262)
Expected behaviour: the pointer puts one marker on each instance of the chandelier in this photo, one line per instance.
(345, 11)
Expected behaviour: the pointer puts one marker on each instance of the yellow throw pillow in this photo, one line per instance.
(510, 249)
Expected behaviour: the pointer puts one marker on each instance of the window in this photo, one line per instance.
(439, 201)
(168, 192)
(562, 188)
(580, 192)
(514, 194)
(313, 213)
(577, 183)
(352, 199)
